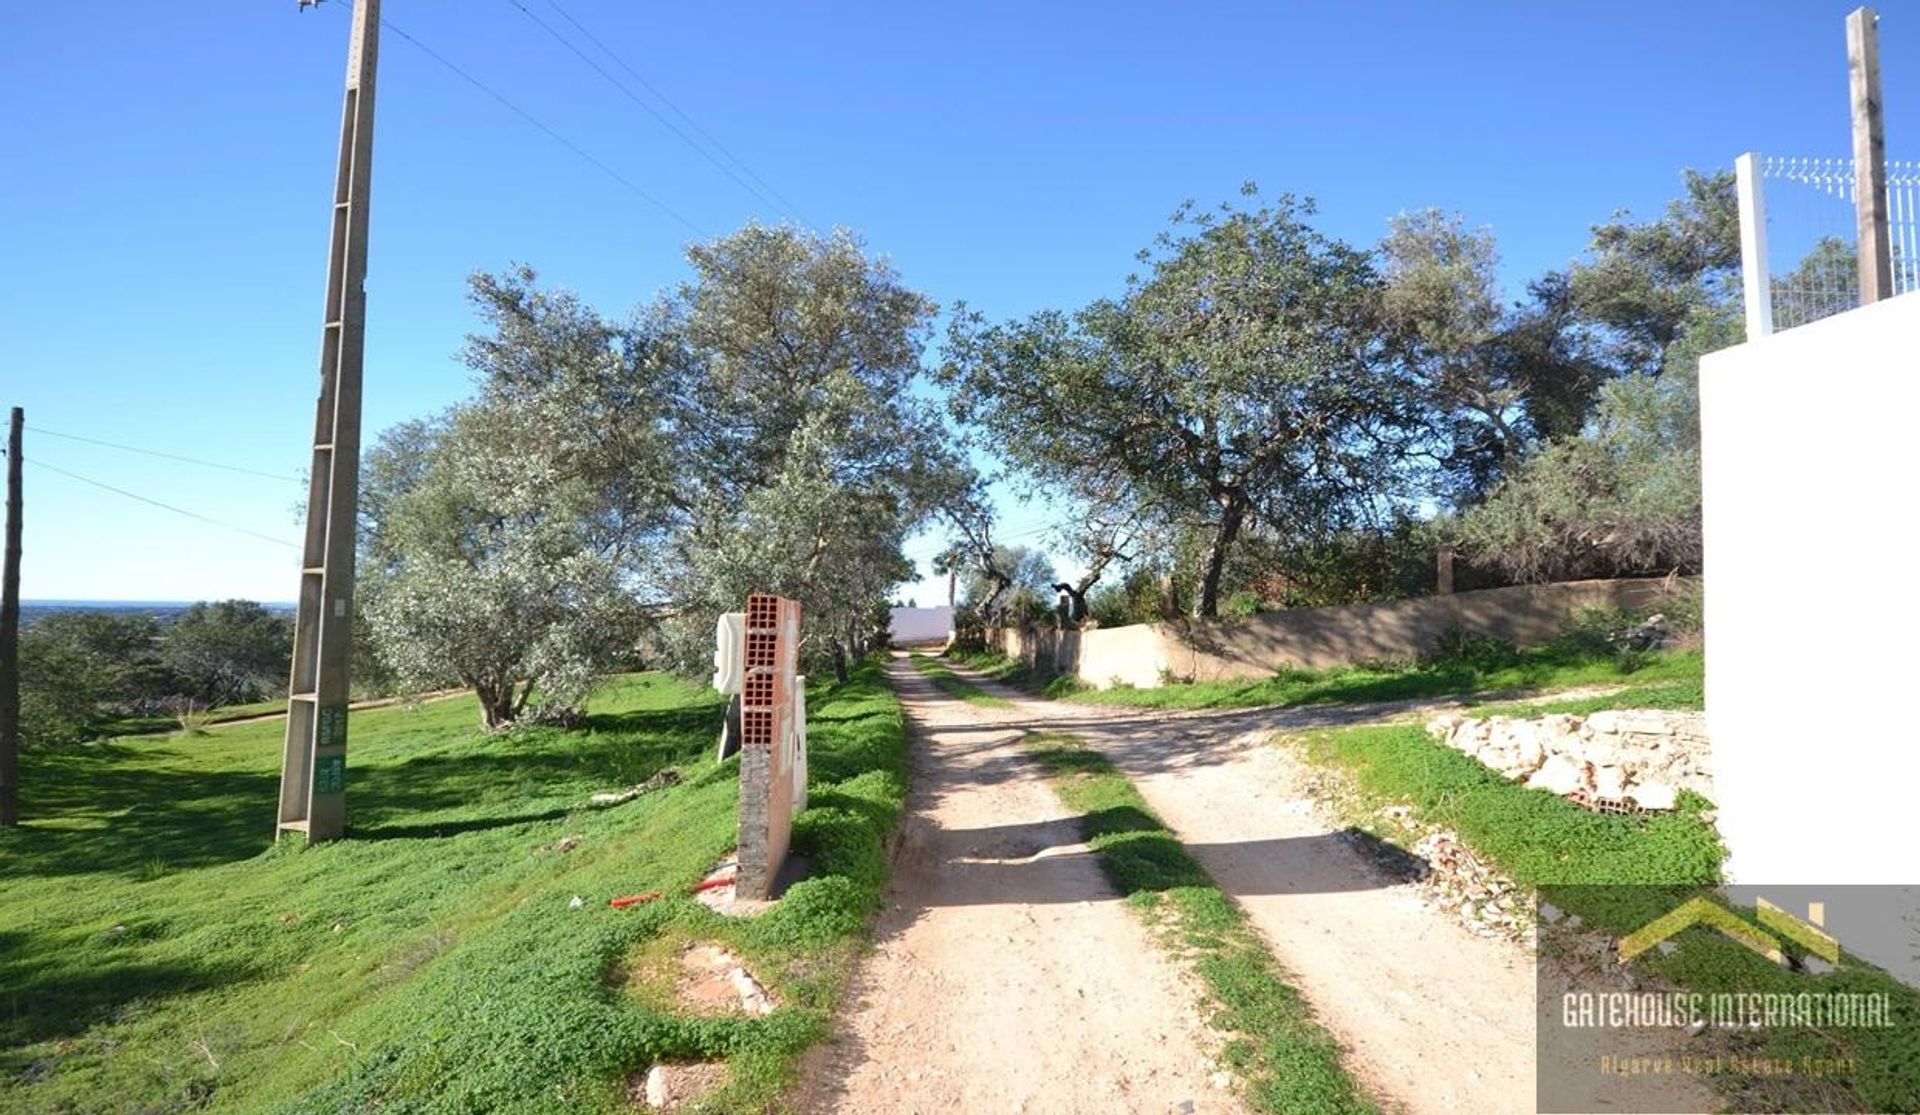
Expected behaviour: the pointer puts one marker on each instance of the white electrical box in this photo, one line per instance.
(729, 651)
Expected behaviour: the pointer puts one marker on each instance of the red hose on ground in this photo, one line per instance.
(710, 884)
(634, 900)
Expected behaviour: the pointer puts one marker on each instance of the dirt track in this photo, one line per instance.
(1007, 976)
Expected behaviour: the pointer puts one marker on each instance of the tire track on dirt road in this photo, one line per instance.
(1006, 975)
(1434, 1018)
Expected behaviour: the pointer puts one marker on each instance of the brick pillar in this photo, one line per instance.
(766, 720)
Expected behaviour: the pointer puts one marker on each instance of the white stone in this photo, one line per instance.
(1470, 736)
(1444, 725)
(1528, 757)
(1654, 722)
(1558, 775)
(1636, 759)
(753, 997)
(657, 1087)
(1559, 724)
(1655, 794)
(1609, 782)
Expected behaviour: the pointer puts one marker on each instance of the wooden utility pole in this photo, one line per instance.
(1869, 155)
(10, 634)
(313, 772)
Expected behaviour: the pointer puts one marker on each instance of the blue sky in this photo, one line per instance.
(164, 219)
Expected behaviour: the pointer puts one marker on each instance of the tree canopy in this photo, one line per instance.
(620, 484)
(1244, 375)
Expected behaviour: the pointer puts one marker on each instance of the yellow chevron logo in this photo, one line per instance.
(1702, 911)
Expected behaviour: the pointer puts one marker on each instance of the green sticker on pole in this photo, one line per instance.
(333, 726)
(330, 775)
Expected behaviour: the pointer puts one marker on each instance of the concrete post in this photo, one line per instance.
(313, 768)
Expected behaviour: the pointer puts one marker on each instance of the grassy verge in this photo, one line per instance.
(1616, 874)
(1660, 695)
(956, 686)
(159, 955)
(1013, 672)
(1289, 1063)
(1540, 668)
(1536, 837)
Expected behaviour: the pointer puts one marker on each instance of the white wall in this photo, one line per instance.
(1811, 454)
(921, 625)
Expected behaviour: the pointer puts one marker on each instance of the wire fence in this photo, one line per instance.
(1812, 235)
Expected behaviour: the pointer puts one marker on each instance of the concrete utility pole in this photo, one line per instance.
(1869, 155)
(313, 773)
(10, 634)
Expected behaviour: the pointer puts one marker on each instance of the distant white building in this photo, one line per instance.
(921, 625)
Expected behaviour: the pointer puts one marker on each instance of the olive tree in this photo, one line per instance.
(1244, 376)
(805, 461)
(1498, 377)
(228, 651)
(508, 541)
(1622, 494)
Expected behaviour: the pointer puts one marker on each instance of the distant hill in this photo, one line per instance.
(162, 610)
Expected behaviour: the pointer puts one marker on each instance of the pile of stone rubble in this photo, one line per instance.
(1644, 757)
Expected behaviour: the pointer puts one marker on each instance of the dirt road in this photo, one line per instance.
(1008, 979)
(1434, 1019)
(1007, 976)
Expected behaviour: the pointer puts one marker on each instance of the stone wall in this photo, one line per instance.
(1149, 654)
(1642, 756)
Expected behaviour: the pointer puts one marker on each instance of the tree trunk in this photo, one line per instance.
(1169, 597)
(1077, 611)
(839, 662)
(496, 705)
(1233, 512)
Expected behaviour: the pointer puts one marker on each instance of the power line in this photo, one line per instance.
(157, 503)
(536, 122)
(168, 456)
(759, 187)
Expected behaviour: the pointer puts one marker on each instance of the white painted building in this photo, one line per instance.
(921, 625)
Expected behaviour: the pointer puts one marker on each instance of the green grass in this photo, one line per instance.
(158, 954)
(1671, 695)
(1618, 873)
(1540, 668)
(956, 686)
(1012, 671)
(1536, 837)
(1290, 1064)
(146, 725)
